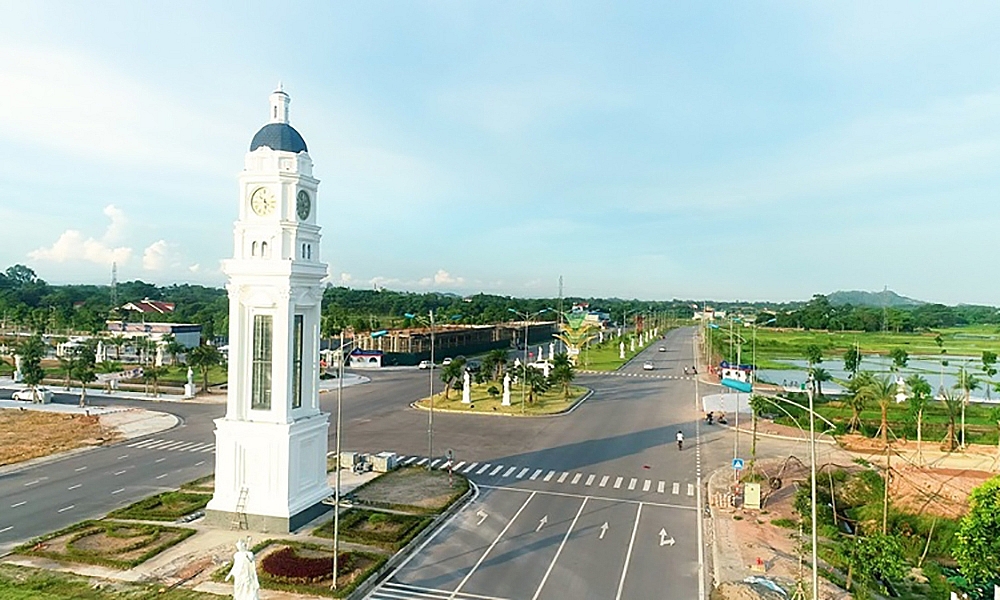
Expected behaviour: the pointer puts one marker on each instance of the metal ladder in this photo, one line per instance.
(240, 518)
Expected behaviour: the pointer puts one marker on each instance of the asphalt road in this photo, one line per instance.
(596, 504)
(612, 461)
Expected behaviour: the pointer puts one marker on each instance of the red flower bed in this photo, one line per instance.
(287, 564)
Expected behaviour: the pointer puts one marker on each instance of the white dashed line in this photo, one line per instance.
(22, 503)
(618, 484)
(159, 460)
(576, 479)
(198, 464)
(479, 472)
(492, 473)
(604, 482)
(645, 488)
(117, 491)
(6, 529)
(419, 462)
(126, 456)
(70, 507)
(520, 475)
(690, 491)
(122, 472)
(455, 468)
(164, 475)
(631, 484)
(31, 483)
(675, 489)
(470, 467)
(535, 475)
(84, 469)
(508, 472)
(660, 486)
(590, 479)
(436, 461)
(80, 485)
(563, 477)
(547, 477)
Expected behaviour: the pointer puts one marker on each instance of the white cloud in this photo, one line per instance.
(74, 246)
(442, 278)
(345, 279)
(157, 256)
(195, 268)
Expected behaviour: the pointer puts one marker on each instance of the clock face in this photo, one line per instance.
(262, 202)
(302, 205)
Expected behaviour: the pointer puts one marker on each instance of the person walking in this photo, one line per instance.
(680, 440)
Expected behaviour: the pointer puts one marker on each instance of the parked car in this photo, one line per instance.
(446, 361)
(648, 366)
(473, 366)
(424, 364)
(662, 349)
(43, 394)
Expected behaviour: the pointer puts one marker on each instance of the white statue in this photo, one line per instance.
(600, 335)
(244, 574)
(159, 356)
(541, 353)
(632, 345)
(546, 367)
(466, 388)
(552, 350)
(190, 376)
(621, 350)
(506, 390)
(99, 355)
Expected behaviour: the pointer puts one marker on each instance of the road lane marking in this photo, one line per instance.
(548, 475)
(201, 447)
(576, 479)
(604, 530)
(604, 481)
(186, 446)
(541, 523)
(31, 483)
(483, 469)
(422, 461)
(198, 464)
(507, 488)
(496, 470)
(590, 479)
(631, 484)
(122, 456)
(409, 460)
(690, 489)
(645, 487)
(121, 472)
(628, 553)
(118, 491)
(159, 460)
(470, 467)
(559, 550)
(80, 469)
(488, 550)
(73, 487)
(660, 486)
(21, 503)
(161, 476)
(6, 529)
(520, 475)
(436, 461)
(618, 483)
(675, 489)
(446, 465)
(535, 475)
(210, 448)
(392, 589)
(70, 507)
(563, 477)
(458, 466)
(508, 472)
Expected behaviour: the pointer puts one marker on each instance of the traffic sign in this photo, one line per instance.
(738, 464)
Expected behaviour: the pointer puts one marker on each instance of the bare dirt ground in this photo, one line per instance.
(28, 434)
(411, 487)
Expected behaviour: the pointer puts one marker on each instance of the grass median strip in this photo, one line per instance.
(106, 543)
(168, 506)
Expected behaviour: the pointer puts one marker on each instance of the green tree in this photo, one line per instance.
(84, 369)
(978, 538)
(967, 382)
(204, 357)
(989, 361)
(995, 417)
(882, 391)
(757, 406)
(820, 376)
(814, 356)
(562, 373)
(534, 380)
(152, 375)
(857, 397)
(495, 362)
(899, 359)
(920, 399)
(32, 351)
(451, 373)
(852, 360)
(953, 406)
(875, 558)
(66, 366)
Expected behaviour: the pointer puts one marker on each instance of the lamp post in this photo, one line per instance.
(336, 493)
(430, 397)
(812, 471)
(524, 374)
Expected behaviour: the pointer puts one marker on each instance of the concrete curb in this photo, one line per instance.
(400, 558)
(561, 413)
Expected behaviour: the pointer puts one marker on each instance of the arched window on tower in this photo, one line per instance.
(263, 249)
(253, 249)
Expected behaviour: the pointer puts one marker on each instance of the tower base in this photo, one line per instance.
(265, 523)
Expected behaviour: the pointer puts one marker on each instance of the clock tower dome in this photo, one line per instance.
(270, 470)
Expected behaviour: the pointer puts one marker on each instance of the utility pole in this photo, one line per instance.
(812, 471)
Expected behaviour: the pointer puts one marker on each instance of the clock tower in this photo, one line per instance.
(270, 459)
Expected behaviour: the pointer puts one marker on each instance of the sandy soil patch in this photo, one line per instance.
(411, 487)
(29, 434)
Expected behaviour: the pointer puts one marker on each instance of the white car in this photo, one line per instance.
(662, 349)
(43, 394)
(648, 366)
(424, 364)
(446, 361)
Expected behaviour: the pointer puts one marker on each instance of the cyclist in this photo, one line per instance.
(680, 440)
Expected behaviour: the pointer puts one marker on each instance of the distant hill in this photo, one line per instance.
(858, 298)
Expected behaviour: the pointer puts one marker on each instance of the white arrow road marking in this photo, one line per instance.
(604, 529)
(541, 523)
(482, 517)
(664, 540)
(545, 578)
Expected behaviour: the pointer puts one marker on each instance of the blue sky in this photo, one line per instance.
(737, 150)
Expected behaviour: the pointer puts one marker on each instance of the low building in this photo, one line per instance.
(186, 334)
(365, 359)
(149, 307)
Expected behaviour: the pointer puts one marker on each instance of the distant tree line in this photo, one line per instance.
(818, 313)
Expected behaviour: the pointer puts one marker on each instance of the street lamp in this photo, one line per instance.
(527, 317)
(812, 470)
(430, 413)
(336, 493)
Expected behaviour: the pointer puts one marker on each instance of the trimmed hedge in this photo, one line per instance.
(168, 506)
(353, 520)
(149, 535)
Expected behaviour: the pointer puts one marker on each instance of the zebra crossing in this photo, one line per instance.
(581, 479)
(174, 446)
(391, 590)
(640, 375)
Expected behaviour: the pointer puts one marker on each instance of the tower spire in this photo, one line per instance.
(279, 105)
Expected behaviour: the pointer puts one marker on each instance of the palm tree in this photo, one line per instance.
(204, 357)
(882, 390)
(562, 373)
(66, 366)
(495, 362)
(857, 398)
(967, 382)
(995, 417)
(152, 375)
(534, 380)
(84, 362)
(117, 341)
(920, 398)
(451, 373)
(757, 404)
(819, 376)
(952, 404)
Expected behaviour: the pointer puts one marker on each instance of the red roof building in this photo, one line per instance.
(149, 307)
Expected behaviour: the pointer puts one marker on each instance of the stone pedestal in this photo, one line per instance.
(189, 390)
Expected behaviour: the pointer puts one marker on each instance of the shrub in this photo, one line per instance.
(786, 523)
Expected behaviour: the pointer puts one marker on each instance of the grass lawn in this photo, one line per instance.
(168, 506)
(177, 375)
(106, 543)
(604, 357)
(389, 531)
(23, 583)
(548, 403)
(791, 343)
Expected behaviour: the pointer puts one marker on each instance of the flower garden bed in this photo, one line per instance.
(168, 506)
(106, 543)
(305, 568)
(390, 531)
